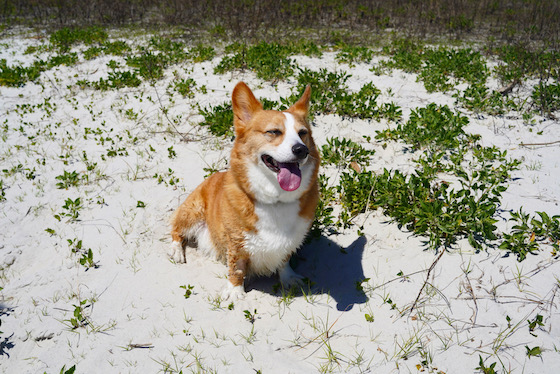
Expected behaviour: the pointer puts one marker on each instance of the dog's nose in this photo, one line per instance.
(300, 151)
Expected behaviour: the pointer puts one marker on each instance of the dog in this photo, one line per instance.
(255, 215)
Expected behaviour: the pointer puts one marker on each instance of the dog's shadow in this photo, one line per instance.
(332, 270)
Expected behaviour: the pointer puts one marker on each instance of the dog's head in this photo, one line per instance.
(273, 150)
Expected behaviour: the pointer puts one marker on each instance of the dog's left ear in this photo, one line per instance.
(301, 106)
(244, 103)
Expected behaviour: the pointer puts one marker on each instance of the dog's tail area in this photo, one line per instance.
(185, 222)
(187, 217)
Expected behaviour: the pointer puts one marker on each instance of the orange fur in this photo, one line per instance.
(224, 204)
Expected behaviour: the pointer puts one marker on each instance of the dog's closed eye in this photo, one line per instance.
(274, 132)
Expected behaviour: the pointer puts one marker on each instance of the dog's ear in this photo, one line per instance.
(245, 105)
(301, 106)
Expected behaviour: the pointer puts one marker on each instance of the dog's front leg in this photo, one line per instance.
(237, 261)
(288, 277)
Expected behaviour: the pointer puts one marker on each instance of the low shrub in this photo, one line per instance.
(268, 60)
(218, 119)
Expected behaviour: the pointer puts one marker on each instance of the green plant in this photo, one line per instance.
(355, 192)
(201, 53)
(185, 87)
(443, 63)
(546, 97)
(436, 67)
(484, 369)
(351, 54)
(268, 60)
(520, 62)
(250, 316)
(343, 152)
(63, 39)
(422, 202)
(327, 88)
(68, 179)
(533, 352)
(171, 152)
(114, 80)
(87, 260)
(330, 94)
(80, 319)
(86, 255)
(218, 119)
(148, 65)
(92, 52)
(17, 76)
(70, 370)
(117, 47)
(2, 191)
(170, 51)
(162, 178)
(188, 290)
(528, 232)
(533, 324)
(406, 54)
(75, 245)
(71, 209)
(434, 127)
(477, 98)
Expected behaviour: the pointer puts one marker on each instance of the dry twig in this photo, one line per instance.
(426, 281)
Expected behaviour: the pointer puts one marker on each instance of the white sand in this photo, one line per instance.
(138, 318)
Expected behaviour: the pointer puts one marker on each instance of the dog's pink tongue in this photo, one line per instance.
(289, 176)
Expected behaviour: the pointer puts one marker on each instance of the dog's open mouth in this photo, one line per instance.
(288, 173)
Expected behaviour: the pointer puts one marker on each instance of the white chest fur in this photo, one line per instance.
(279, 232)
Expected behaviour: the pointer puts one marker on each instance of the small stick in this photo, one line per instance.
(426, 281)
(471, 291)
(537, 144)
(133, 345)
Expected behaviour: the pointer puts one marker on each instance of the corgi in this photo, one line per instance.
(255, 215)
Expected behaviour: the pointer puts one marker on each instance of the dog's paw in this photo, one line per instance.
(233, 293)
(177, 253)
(289, 278)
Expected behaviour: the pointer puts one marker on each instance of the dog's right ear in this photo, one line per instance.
(245, 105)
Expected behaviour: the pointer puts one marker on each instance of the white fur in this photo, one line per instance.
(233, 293)
(201, 234)
(279, 232)
(177, 253)
(283, 153)
(203, 239)
(264, 182)
(288, 277)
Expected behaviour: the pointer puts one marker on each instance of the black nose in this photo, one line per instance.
(300, 151)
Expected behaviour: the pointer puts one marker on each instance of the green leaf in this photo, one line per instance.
(535, 351)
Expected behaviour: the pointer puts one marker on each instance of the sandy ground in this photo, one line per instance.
(136, 318)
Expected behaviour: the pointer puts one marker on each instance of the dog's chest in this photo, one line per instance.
(279, 232)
